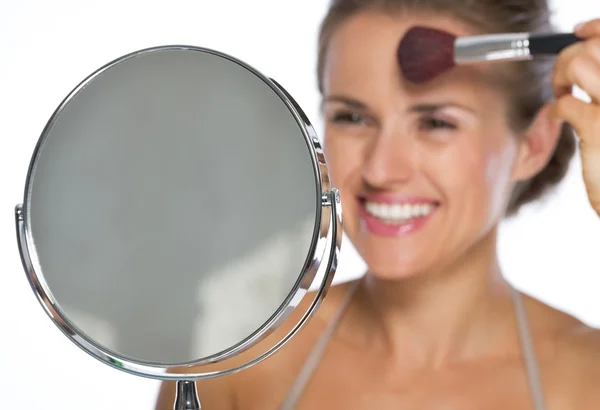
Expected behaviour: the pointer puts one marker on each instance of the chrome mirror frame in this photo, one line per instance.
(318, 271)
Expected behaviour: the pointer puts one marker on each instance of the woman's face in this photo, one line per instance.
(425, 172)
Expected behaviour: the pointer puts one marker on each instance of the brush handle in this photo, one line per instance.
(551, 44)
(510, 46)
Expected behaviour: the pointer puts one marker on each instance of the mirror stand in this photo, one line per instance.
(186, 397)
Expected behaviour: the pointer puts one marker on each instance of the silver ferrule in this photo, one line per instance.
(509, 46)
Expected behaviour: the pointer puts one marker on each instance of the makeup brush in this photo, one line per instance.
(425, 53)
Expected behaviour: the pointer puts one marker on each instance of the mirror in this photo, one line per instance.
(176, 211)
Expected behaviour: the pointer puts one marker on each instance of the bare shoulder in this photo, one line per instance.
(580, 362)
(569, 356)
(265, 384)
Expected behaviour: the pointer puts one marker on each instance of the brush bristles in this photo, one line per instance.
(425, 53)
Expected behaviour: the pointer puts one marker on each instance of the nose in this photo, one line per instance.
(390, 159)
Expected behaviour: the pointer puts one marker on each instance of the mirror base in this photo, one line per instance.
(187, 396)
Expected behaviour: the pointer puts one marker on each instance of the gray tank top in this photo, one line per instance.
(291, 400)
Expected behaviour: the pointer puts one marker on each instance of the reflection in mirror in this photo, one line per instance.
(172, 206)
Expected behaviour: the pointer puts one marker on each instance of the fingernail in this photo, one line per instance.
(579, 27)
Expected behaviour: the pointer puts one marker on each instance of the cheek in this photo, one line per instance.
(497, 177)
(344, 158)
(475, 176)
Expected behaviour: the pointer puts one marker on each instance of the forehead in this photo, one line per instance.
(362, 53)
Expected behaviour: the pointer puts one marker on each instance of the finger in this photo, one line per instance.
(588, 28)
(583, 117)
(560, 78)
(583, 71)
(591, 47)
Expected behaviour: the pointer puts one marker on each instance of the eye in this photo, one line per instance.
(432, 123)
(348, 117)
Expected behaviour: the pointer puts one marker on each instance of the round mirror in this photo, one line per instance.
(176, 211)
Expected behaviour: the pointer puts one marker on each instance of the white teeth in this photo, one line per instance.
(398, 212)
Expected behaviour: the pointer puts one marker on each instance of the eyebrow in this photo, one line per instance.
(344, 100)
(419, 108)
(431, 108)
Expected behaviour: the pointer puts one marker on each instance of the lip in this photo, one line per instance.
(388, 198)
(378, 227)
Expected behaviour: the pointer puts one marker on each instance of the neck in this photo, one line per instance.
(463, 312)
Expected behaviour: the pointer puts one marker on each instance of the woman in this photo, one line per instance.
(427, 172)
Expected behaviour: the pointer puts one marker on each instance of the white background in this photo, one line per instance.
(550, 251)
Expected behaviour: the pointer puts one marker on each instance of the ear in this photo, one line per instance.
(537, 145)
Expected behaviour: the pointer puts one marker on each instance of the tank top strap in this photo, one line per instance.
(315, 356)
(529, 355)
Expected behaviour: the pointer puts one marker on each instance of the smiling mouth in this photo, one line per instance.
(392, 215)
(397, 214)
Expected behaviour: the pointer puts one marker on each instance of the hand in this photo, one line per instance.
(580, 65)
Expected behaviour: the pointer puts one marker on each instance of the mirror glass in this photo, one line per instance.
(171, 204)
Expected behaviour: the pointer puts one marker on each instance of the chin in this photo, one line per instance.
(394, 272)
(395, 258)
(395, 269)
